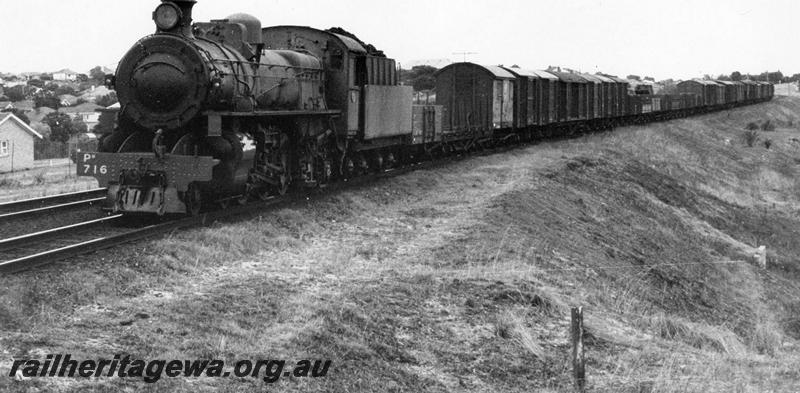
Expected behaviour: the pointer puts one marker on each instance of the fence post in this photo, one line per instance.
(578, 369)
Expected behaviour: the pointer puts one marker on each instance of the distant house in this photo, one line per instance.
(26, 76)
(16, 144)
(86, 112)
(94, 93)
(67, 100)
(9, 84)
(65, 75)
(24, 105)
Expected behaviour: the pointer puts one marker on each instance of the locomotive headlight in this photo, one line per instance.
(167, 16)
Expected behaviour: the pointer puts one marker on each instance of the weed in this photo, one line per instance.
(698, 335)
(9, 183)
(751, 126)
(750, 137)
(767, 126)
(765, 339)
(767, 143)
(39, 178)
(512, 326)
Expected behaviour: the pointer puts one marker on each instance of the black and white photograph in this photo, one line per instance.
(421, 196)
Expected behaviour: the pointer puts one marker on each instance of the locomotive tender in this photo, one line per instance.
(224, 111)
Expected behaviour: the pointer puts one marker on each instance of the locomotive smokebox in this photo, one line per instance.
(162, 81)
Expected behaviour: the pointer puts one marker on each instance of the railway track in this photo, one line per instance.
(27, 251)
(35, 249)
(50, 204)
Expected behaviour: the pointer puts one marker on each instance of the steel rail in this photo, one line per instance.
(103, 242)
(46, 209)
(39, 205)
(22, 240)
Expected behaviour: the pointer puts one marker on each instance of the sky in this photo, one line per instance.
(678, 39)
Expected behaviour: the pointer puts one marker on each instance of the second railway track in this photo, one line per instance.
(49, 204)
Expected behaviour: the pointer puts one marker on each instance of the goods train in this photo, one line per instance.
(222, 111)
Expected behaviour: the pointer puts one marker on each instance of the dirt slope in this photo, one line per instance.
(461, 279)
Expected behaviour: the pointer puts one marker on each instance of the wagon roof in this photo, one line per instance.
(568, 77)
(727, 83)
(591, 78)
(604, 78)
(532, 73)
(749, 82)
(702, 82)
(496, 71)
(350, 43)
(616, 79)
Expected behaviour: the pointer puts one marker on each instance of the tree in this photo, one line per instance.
(46, 98)
(670, 87)
(776, 76)
(82, 78)
(107, 100)
(736, 76)
(79, 127)
(634, 77)
(36, 82)
(61, 127)
(65, 89)
(421, 77)
(97, 74)
(46, 77)
(723, 77)
(15, 93)
(19, 113)
(105, 123)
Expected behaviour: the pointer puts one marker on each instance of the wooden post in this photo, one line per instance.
(578, 370)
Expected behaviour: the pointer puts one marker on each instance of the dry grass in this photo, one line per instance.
(42, 182)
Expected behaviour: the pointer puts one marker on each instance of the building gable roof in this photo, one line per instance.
(82, 108)
(22, 124)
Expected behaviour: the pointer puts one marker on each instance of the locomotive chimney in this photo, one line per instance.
(186, 9)
(174, 16)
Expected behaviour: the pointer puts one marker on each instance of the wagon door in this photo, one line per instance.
(502, 105)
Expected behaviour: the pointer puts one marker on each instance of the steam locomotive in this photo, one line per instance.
(222, 111)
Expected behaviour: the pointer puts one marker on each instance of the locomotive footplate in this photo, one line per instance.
(143, 183)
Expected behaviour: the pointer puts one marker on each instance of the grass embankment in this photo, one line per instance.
(461, 279)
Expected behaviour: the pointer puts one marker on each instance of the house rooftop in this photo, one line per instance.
(10, 117)
(85, 107)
